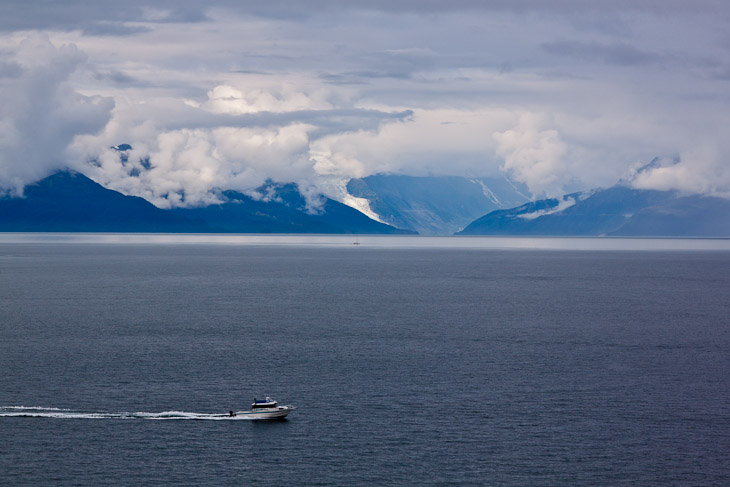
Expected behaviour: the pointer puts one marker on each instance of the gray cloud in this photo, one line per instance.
(229, 93)
(41, 113)
(617, 53)
(327, 121)
(10, 69)
(117, 77)
(112, 28)
(99, 17)
(186, 151)
(96, 17)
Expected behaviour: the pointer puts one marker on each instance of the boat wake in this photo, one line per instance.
(58, 413)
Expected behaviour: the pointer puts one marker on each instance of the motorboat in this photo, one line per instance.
(265, 409)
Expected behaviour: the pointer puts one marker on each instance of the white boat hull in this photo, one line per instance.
(278, 412)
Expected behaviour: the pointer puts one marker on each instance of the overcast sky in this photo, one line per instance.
(561, 95)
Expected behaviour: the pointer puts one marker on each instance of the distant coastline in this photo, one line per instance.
(378, 241)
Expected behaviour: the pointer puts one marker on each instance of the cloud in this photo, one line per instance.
(703, 169)
(228, 99)
(97, 17)
(562, 95)
(425, 145)
(41, 113)
(618, 53)
(188, 167)
(10, 70)
(234, 139)
(534, 156)
(100, 17)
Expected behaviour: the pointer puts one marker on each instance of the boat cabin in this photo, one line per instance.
(263, 403)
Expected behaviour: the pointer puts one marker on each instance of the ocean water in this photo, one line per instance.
(506, 364)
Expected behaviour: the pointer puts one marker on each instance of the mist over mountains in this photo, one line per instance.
(625, 209)
(70, 202)
(616, 211)
(558, 96)
(437, 205)
(284, 212)
(379, 204)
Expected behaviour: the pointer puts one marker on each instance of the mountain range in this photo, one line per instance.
(616, 211)
(435, 205)
(70, 202)
(286, 212)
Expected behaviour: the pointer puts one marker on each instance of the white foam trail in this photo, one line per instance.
(40, 408)
(58, 413)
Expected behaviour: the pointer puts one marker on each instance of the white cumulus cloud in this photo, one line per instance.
(563, 97)
(534, 156)
(40, 111)
(703, 169)
(185, 152)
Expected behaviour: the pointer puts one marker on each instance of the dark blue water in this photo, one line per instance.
(408, 366)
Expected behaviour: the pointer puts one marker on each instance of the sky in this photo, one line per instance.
(561, 95)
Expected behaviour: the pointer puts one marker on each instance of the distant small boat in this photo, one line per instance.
(265, 409)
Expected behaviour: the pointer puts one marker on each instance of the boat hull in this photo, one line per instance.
(279, 412)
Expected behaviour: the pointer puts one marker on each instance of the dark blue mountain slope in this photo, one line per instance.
(618, 211)
(70, 202)
(286, 212)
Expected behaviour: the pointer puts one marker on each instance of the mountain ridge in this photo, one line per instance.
(616, 211)
(68, 201)
(285, 213)
(434, 205)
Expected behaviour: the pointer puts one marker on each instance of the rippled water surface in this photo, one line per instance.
(424, 364)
